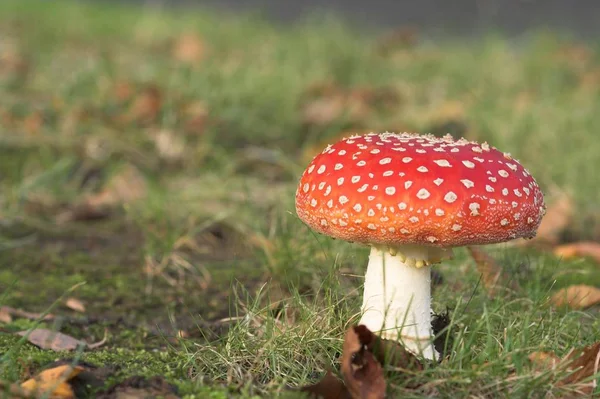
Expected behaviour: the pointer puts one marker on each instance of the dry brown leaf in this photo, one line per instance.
(557, 218)
(56, 341)
(582, 249)
(363, 374)
(25, 315)
(491, 272)
(75, 304)
(579, 296)
(129, 185)
(579, 364)
(146, 106)
(330, 387)
(53, 383)
(169, 146)
(5, 316)
(196, 115)
(189, 48)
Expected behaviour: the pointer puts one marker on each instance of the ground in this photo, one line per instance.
(148, 165)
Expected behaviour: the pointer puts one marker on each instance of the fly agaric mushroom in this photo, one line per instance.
(413, 198)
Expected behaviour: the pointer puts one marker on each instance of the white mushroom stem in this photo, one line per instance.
(397, 295)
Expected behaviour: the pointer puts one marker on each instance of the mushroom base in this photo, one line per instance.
(397, 295)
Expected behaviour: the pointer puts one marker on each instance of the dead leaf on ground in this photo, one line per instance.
(330, 387)
(75, 304)
(584, 249)
(558, 216)
(491, 272)
(141, 388)
(146, 105)
(579, 296)
(5, 316)
(53, 382)
(189, 48)
(56, 341)
(127, 186)
(169, 146)
(24, 314)
(362, 372)
(579, 364)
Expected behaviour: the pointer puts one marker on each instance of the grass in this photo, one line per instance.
(197, 266)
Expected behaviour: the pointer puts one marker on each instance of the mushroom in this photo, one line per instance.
(413, 198)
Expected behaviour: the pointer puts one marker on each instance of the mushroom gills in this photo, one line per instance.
(397, 295)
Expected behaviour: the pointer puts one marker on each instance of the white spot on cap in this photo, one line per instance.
(355, 179)
(468, 164)
(338, 166)
(432, 239)
(489, 188)
(480, 160)
(407, 184)
(493, 179)
(327, 190)
(305, 187)
(529, 220)
(362, 188)
(505, 191)
(517, 192)
(443, 163)
(342, 152)
(371, 175)
(422, 169)
(503, 173)
(361, 163)
(371, 212)
(456, 227)
(414, 219)
(313, 202)
(468, 183)
(450, 197)
(375, 187)
(423, 194)
(526, 190)
(330, 203)
(311, 168)
(388, 173)
(375, 151)
(454, 150)
(371, 226)
(390, 190)
(477, 149)
(492, 201)
(406, 159)
(343, 199)
(321, 169)
(340, 181)
(474, 207)
(402, 206)
(371, 197)
(512, 166)
(439, 212)
(384, 219)
(323, 222)
(392, 229)
(385, 161)
(438, 181)
(517, 216)
(504, 222)
(321, 185)
(343, 223)
(404, 231)
(357, 207)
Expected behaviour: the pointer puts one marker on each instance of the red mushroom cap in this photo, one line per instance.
(396, 189)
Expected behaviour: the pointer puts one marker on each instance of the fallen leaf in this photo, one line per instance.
(169, 146)
(25, 315)
(330, 387)
(146, 106)
(75, 304)
(579, 296)
(491, 272)
(584, 249)
(578, 364)
(189, 48)
(363, 374)
(5, 316)
(127, 186)
(56, 341)
(558, 216)
(52, 382)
